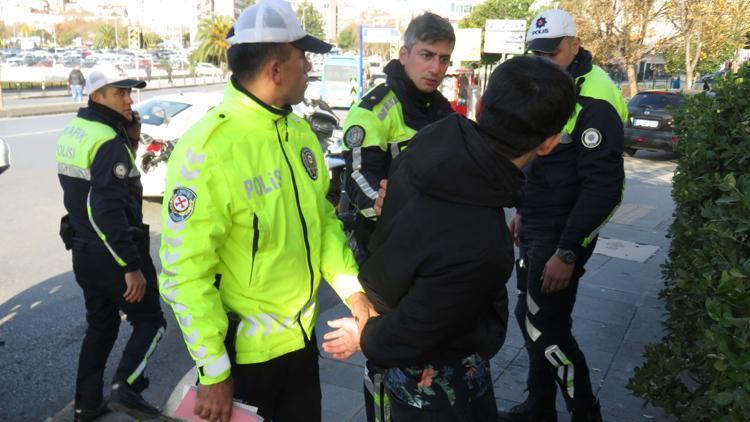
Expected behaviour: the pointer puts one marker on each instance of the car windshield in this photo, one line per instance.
(656, 100)
(157, 112)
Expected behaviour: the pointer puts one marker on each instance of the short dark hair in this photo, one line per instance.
(246, 59)
(429, 28)
(528, 99)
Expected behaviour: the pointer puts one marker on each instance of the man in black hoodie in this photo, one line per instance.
(441, 253)
(104, 227)
(381, 125)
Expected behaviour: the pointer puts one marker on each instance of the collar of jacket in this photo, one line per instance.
(236, 94)
(420, 109)
(582, 63)
(96, 112)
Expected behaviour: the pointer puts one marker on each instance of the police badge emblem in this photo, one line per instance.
(308, 160)
(354, 136)
(181, 205)
(591, 138)
(120, 170)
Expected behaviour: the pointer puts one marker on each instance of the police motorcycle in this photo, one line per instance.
(325, 124)
(4, 156)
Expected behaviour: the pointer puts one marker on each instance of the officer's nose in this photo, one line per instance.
(434, 67)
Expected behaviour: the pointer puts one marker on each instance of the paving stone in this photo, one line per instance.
(603, 310)
(503, 359)
(341, 401)
(646, 325)
(619, 404)
(628, 357)
(341, 374)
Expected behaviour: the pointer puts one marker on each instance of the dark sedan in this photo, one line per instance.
(650, 120)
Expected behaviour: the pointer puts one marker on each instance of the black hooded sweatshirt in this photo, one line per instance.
(442, 252)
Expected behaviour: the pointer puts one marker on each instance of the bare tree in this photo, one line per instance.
(619, 31)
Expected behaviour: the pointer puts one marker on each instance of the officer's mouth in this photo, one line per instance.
(432, 83)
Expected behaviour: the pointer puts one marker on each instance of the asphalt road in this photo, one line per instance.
(41, 307)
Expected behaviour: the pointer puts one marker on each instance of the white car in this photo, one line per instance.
(164, 119)
(208, 69)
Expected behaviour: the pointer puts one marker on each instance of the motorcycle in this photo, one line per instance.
(153, 154)
(325, 125)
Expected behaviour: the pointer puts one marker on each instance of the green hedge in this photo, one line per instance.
(700, 371)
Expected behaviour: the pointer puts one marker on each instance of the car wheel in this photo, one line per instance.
(630, 151)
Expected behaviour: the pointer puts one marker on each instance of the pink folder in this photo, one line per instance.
(240, 412)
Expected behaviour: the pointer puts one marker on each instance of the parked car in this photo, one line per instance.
(208, 69)
(649, 124)
(164, 119)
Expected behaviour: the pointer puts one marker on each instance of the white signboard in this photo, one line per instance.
(505, 36)
(468, 45)
(505, 25)
(380, 35)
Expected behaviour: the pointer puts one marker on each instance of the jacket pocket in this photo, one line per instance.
(254, 247)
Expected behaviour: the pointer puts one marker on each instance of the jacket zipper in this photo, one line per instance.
(256, 238)
(304, 225)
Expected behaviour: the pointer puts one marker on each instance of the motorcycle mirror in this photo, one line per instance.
(4, 155)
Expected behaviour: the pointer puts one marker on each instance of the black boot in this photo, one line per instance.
(591, 414)
(529, 411)
(89, 415)
(124, 399)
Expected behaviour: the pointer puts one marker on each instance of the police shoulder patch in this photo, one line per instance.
(591, 138)
(181, 204)
(354, 136)
(120, 170)
(308, 160)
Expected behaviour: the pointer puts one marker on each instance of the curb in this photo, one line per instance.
(60, 108)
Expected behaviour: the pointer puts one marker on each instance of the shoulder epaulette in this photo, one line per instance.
(374, 96)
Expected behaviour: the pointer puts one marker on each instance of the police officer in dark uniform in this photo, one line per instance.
(380, 126)
(569, 196)
(104, 228)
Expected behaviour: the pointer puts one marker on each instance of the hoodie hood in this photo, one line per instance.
(452, 161)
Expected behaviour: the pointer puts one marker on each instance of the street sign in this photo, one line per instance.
(505, 25)
(468, 45)
(380, 35)
(505, 36)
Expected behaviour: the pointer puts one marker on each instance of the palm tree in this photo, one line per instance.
(212, 34)
(105, 38)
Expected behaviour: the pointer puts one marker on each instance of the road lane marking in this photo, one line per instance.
(21, 135)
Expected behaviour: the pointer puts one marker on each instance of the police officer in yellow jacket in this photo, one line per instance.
(569, 195)
(104, 228)
(380, 126)
(248, 233)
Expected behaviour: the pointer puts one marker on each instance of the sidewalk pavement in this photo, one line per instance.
(616, 314)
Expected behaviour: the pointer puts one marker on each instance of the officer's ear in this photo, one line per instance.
(402, 53)
(548, 145)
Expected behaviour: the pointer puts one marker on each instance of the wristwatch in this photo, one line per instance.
(566, 256)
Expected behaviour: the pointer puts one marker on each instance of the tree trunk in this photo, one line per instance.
(692, 63)
(632, 78)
